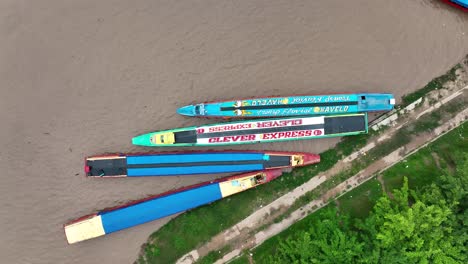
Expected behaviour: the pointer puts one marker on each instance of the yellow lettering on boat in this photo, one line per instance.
(332, 109)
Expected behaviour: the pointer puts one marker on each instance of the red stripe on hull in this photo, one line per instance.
(271, 174)
(309, 157)
(455, 5)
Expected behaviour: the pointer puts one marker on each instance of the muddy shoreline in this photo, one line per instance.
(81, 78)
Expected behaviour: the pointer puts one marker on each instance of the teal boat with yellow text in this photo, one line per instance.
(258, 131)
(293, 106)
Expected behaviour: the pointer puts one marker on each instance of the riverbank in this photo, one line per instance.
(197, 226)
(361, 177)
(81, 78)
(441, 158)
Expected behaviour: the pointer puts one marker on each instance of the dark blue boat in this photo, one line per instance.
(190, 163)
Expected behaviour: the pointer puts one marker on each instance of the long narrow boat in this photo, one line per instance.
(162, 205)
(257, 131)
(460, 4)
(194, 162)
(293, 106)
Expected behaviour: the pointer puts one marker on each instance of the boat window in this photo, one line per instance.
(162, 138)
(363, 97)
(197, 109)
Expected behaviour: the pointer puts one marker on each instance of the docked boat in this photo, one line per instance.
(258, 131)
(193, 162)
(162, 205)
(293, 106)
(460, 4)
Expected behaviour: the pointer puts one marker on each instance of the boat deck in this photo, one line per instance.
(344, 124)
(331, 126)
(293, 106)
(189, 136)
(183, 164)
(257, 131)
(152, 209)
(280, 106)
(162, 205)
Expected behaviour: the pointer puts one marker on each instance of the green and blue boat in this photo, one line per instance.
(258, 131)
(293, 106)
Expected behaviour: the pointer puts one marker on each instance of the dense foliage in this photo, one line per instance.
(426, 225)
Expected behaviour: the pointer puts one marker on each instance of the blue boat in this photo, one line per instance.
(258, 131)
(192, 163)
(461, 4)
(293, 106)
(162, 205)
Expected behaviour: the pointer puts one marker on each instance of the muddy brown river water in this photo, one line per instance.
(82, 77)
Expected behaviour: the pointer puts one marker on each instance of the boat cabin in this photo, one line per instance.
(163, 138)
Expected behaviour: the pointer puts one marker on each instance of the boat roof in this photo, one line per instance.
(461, 2)
(186, 163)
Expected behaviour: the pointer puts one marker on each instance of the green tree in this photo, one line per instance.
(406, 231)
(329, 240)
(414, 226)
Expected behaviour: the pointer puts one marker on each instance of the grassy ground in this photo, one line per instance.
(240, 260)
(213, 256)
(360, 201)
(197, 226)
(422, 168)
(429, 163)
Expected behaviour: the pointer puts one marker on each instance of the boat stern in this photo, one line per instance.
(307, 159)
(84, 229)
(375, 102)
(87, 168)
(272, 174)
